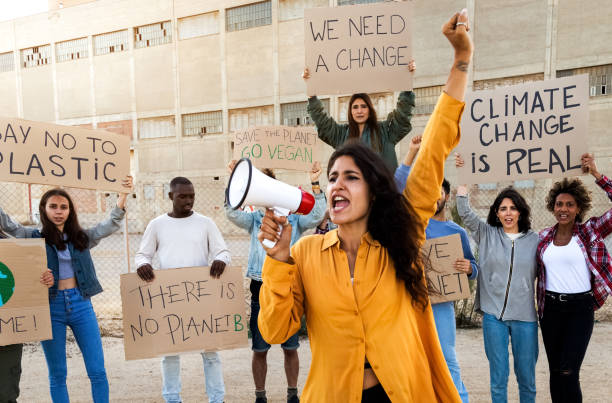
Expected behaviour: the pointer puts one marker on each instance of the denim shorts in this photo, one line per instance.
(259, 344)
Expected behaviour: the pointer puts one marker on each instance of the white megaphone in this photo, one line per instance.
(249, 186)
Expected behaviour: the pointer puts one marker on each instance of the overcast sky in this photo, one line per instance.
(10, 9)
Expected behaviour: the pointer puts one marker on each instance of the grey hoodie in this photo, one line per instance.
(507, 268)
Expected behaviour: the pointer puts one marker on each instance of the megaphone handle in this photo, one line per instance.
(280, 212)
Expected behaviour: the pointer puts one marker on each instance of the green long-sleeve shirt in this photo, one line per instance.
(392, 130)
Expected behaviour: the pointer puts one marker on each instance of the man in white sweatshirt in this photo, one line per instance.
(183, 238)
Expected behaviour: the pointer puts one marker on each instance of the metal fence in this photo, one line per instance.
(150, 200)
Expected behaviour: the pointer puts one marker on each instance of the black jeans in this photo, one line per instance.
(566, 330)
(375, 394)
(10, 372)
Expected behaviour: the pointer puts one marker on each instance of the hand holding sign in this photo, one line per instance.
(128, 184)
(588, 165)
(46, 278)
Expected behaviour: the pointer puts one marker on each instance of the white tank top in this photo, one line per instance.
(566, 268)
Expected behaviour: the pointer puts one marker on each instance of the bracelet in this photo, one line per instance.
(316, 187)
(315, 183)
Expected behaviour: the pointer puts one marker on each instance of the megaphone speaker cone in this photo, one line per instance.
(306, 204)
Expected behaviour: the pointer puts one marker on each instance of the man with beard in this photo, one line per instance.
(184, 238)
(438, 226)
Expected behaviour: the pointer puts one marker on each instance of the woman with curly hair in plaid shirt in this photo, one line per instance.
(574, 278)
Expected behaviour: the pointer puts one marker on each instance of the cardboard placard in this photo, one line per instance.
(278, 146)
(361, 48)
(182, 310)
(451, 284)
(24, 300)
(50, 154)
(526, 131)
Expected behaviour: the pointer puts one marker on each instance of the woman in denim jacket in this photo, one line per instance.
(505, 293)
(69, 259)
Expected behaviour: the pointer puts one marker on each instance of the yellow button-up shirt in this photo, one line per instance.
(373, 317)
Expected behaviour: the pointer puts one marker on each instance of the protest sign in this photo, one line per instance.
(361, 48)
(24, 300)
(278, 146)
(526, 131)
(182, 310)
(450, 284)
(50, 154)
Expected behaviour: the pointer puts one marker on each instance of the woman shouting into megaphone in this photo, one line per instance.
(362, 286)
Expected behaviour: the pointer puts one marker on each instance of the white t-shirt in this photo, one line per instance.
(514, 237)
(566, 269)
(182, 242)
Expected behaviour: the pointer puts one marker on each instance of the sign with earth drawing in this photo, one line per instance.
(24, 301)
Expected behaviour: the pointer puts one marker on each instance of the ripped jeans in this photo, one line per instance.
(566, 330)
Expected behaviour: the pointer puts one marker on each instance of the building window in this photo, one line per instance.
(111, 42)
(247, 117)
(383, 104)
(487, 186)
(159, 33)
(249, 16)
(506, 81)
(199, 124)
(600, 78)
(152, 128)
(524, 184)
(36, 56)
(293, 9)
(148, 192)
(296, 114)
(71, 50)
(198, 25)
(351, 2)
(7, 63)
(426, 99)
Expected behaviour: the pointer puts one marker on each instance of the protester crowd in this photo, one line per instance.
(360, 280)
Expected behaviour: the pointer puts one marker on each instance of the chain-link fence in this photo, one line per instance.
(150, 199)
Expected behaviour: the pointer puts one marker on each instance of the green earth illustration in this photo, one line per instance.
(7, 284)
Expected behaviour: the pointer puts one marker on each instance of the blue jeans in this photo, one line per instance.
(444, 316)
(259, 344)
(524, 339)
(171, 377)
(69, 308)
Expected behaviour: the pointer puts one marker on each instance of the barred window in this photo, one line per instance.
(71, 50)
(36, 56)
(524, 184)
(600, 78)
(156, 34)
(350, 2)
(152, 128)
(198, 25)
(383, 104)
(296, 114)
(110, 42)
(148, 192)
(247, 117)
(426, 99)
(7, 63)
(292, 9)
(507, 81)
(249, 16)
(199, 124)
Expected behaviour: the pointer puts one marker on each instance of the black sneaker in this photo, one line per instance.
(293, 399)
(261, 400)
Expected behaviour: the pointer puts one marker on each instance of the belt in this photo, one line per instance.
(569, 297)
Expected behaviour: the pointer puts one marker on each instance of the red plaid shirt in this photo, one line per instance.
(590, 238)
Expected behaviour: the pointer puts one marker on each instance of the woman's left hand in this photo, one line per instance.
(315, 171)
(46, 278)
(128, 184)
(463, 265)
(588, 165)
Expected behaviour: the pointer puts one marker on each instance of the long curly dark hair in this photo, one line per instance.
(576, 189)
(371, 123)
(53, 236)
(392, 220)
(524, 222)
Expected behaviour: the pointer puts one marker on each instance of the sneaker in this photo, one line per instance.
(261, 400)
(293, 399)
